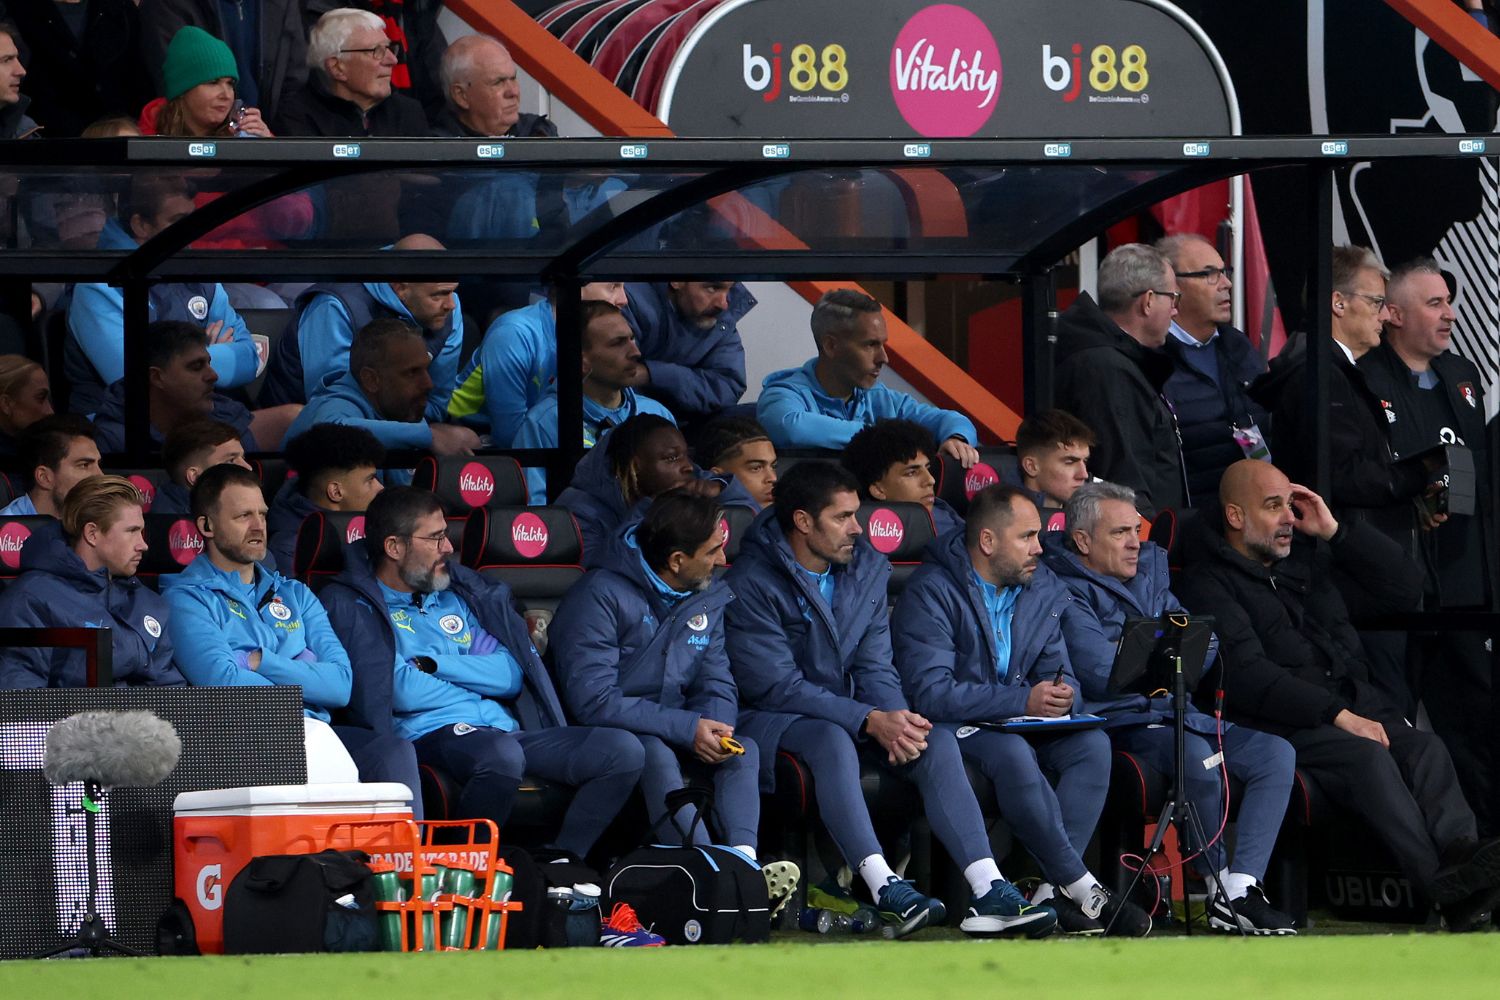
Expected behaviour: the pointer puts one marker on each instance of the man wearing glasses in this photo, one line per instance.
(349, 90)
(1110, 371)
(1213, 366)
(441, 656)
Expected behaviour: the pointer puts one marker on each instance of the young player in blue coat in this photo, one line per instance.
(689, 334)
(82, 574)
(237, 622)
(641, 459)
(337, 468)
(892, 459)
(1113, 576)
(640, 646)
(443, 658)
(826, 401)
(809, 643)
(977, 636)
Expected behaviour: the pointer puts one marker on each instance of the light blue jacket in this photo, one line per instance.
(325, 332)
(341, 401)
(797, 413)
(539, 429)
(513, 369)
(217, 621)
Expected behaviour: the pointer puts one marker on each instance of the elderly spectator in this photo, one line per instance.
(266, 38)
(349, 90)
(483, 95)
(1111, 372)
(413, 26)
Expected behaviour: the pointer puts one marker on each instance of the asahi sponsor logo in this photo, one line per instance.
(476, 484)
(885, 531)
(528, 533)
(12, 536)
(184, 542)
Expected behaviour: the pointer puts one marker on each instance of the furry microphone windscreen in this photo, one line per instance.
(125, 749)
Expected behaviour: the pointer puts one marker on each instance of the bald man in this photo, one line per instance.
(1294, 667)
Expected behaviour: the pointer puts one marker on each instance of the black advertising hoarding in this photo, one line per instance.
(982, 68)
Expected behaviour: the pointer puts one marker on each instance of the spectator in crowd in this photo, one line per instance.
(977, 638)
(1294, 666)
(689, 334)
(236, 622)
(1213, 367)
(58, 452)
(386, 391)
(266, 39)
(25, 398)
(442, 657)
(329, 313)
(417, 43)
(337, 469)
(739, 447)
(183, 385)
(84, 576)
(809, 643)
(892, 461)
(640, 646)
(94, 356)
(190, 449)
(1433, 397)
(612, 367)
(348, 92)
(515, 366)
(826, 401)
(199, 92)
(1052, 457)
(85, 61)
(482, 95)
(1111, 371)
(1114, 576)
(634, 463)
(15, 123)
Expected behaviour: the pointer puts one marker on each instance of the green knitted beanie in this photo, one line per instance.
(193, 57)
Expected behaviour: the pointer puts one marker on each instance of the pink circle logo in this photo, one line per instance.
(977, 478)
(476, 485)
(147, 491)
(184, 542)
(12, 537)
(1057, 522)
(885, 531)
(945, 72)
(355, 529)
(724, 529)
(529, 535)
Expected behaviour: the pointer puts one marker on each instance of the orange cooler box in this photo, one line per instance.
(216, 833)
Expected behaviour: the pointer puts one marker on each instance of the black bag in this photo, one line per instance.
(548, 920)
(301, 902)
(693, 894)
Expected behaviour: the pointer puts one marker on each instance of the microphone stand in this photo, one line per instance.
(1178, 812)
(93, 933)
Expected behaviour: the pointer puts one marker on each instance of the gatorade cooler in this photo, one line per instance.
(216, 833)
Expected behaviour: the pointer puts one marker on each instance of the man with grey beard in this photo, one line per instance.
(1294, 666)
(442, 658)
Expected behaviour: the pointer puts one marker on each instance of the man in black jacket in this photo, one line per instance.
(1434, 397)
(1111, 370)
(1294, 667)
(349, 91)
(1213, 366)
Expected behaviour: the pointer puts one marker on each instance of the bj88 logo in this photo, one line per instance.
(1107, 70)
(809, 68)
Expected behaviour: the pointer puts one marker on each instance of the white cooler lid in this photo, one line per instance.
(337, 795)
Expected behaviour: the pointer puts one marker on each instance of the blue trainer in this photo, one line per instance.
(1004, 912)
(906, 910)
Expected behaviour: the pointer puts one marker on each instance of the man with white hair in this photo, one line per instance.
(348, 91)
(482, 95)
(1111, 372)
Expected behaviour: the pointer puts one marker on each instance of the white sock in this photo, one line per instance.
(875, 872)
(1044, 891)
(981, 875)
(1236, 884)
(1080, 890)
(747, 851)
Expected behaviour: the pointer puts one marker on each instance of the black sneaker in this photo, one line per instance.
(1479, 869)
(1072, 920)
(1257, 917)
(1119, 916)
(1471, 913)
